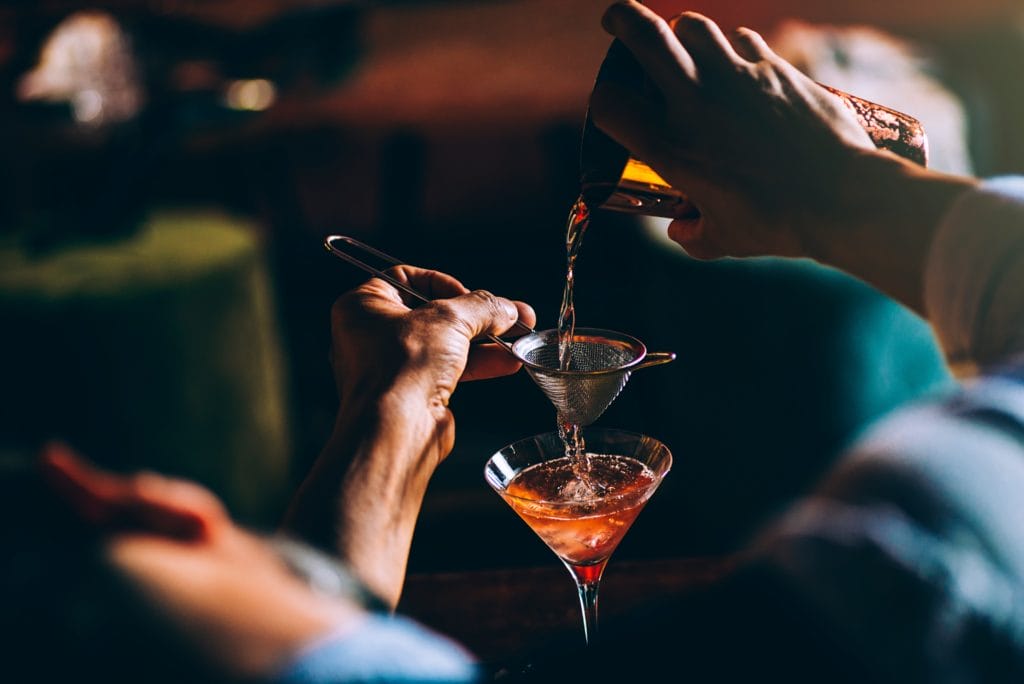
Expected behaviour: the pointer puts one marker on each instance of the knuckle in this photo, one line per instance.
(766, 76)
(409, 347)
(439, 314)
(443, 310)
(489, 300)
(745, 70)
(499, 310)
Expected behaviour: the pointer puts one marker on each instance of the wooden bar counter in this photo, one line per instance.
(498, 613)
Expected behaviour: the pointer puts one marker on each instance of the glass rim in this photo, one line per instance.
(659, 473)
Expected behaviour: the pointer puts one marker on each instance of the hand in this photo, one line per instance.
(396, 368)
(382, 346)
(224, 592)
(773, 162)
(763, 152)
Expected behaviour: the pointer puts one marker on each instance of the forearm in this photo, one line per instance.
(380, 500)
(363, 495)
(886, 218)
(949, 247)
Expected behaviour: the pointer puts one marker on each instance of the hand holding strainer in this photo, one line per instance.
(601, 360)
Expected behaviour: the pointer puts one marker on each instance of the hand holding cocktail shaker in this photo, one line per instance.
(612, 179)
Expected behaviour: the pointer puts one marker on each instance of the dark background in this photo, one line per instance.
(446, 133)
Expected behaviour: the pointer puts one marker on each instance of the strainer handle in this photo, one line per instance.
(341, 254)
(330, 246)
(656, 359)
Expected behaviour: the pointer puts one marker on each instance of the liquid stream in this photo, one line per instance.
(571, 433)
(576, 227)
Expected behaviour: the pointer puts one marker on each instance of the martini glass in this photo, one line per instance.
(580, 510)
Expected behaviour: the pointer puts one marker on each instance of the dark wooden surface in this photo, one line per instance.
(499, 613)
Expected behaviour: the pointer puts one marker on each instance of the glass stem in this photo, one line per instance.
(588, 602)
(588, 579)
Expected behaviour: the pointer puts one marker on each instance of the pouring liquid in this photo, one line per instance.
(571, 433)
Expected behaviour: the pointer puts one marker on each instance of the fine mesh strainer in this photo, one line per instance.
(601, 361)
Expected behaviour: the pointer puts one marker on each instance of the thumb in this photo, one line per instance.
(691, 233)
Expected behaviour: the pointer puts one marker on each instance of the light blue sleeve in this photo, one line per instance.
(911, 548)
(974, 275)
(383, 648)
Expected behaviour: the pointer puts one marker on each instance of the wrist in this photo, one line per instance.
(879, 225)
(373, 432)
(364, 493)
(401, 409)
(864, 190)
(382, 490)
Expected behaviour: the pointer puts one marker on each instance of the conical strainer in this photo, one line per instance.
(601, 362)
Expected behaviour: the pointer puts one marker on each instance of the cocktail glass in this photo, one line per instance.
(580, 508)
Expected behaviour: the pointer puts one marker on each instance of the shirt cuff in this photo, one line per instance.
(974, 275)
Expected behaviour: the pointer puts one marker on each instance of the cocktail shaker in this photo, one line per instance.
(612, 179)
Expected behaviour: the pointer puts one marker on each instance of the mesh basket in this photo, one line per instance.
(601, 362)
